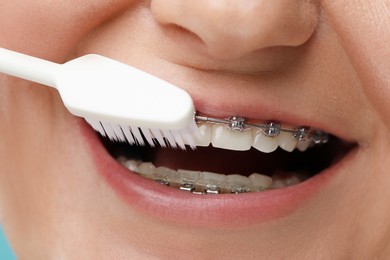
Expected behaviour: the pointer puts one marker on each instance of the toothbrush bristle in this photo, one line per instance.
(142, 136)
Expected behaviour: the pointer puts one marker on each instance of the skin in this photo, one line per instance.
(334, 63)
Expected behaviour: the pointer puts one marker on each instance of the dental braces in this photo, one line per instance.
(208, 189)
(269, 129)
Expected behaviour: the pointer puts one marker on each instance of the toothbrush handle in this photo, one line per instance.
(28, 67)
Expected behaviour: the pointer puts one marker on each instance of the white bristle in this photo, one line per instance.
(134, 135)
(159, 137)
(109, 131)
(169, 138)
(128, 134)
(137, 135)
(118, 132)
(148, 136)
(194, 130)
(190, 135)
(179, 139)
(187, 138)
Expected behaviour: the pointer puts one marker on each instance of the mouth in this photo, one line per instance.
(233, 159)
(235, 176)
(221, 183)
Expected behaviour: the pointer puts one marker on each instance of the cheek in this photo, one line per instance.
(364, 31)
(50, 29)
(31, 116)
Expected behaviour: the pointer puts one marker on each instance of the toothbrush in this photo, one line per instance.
(117, 100)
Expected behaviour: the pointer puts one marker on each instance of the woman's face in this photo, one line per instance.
(322, 64)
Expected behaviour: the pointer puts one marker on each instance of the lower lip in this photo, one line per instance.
(209, 211)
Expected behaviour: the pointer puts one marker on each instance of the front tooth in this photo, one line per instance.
(287, 142)
(260, 182)
(212, 179)
(164, 173)
(264, 143)
(224, 138)
(238, 183)
(204, 138)
(188, 176)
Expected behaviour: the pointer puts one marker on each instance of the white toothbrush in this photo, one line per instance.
(117, 100)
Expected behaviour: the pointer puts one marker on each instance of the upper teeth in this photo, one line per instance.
(220, 136)
(236, 134)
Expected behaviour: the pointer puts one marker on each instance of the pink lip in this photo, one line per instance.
(210, 211)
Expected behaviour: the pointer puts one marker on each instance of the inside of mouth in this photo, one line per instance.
(209, 170)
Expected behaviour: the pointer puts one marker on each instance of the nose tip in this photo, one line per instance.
(231, 28)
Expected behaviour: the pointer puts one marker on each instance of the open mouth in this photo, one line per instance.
(234, 159)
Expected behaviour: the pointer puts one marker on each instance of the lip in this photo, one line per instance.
(208, 211)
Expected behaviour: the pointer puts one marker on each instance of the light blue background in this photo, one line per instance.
(5, 250)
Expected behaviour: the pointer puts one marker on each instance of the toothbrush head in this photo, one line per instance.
(102, 89)
(126, 104)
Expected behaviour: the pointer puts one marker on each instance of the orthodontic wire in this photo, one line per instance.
(270, 129)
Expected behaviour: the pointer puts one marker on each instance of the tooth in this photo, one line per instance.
(224, 138)
(238, 183)
(204, 138)
(132, 165)
(210, 179)
(292, 180)
(278, 183)
(188, 176)
(281, 180)
(287, 142)
(260, 182)
(213, 183)
(303, 145)
(122, 159)
(164, 173)
(263, 143)
(147, 169)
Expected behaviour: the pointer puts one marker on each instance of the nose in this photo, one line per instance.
(234, 28)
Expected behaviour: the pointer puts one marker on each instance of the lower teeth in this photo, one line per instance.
(207, 182)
